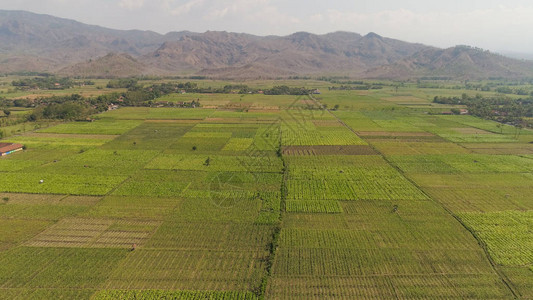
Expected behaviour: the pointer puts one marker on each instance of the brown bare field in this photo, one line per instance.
(95, 233)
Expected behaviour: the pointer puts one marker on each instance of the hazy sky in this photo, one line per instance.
(489, 24)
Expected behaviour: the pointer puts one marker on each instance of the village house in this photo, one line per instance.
(8, 148)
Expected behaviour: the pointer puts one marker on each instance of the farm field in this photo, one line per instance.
(377, 199)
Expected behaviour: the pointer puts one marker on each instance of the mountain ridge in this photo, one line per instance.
(44, 43)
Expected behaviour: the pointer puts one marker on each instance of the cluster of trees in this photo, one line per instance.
(356, 87)
(515, 88)
(122, 83)
(70, 107)
(501, 109)
(64, 111)
(285, 90)
(183, 104)
(48, 83)
(75, 106)
(516, 91)
(158, 90)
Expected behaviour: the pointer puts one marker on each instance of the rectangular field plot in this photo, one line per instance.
(176, 295)
(189, 270)
(41, 156)
(471, 163)
(263, 162)
(313, 206)
(500, 148)
(211, 236)
(478, 138)
(150, 136)
(358, 121)
(384, 185)
(12, 165)
(379, 224)
(105, 126)
(193, 145)
(399, 147)
(238, 144)
(95, 233)
(220, 207)
(97, 161)
(507, 234)
(59, 184)
(60, 143)
(40, 211)
(47, 199)
(154, 183)
(470, 286)
(380, 249)
(15, 231)
(358, 262)
(329, 150)
(436, 286)
(474, 180)
(57, 268)
(346, 178)
(292, 134)
(483, 199)
(329, 287)
(145, 113)
(45, 293)
(134, 207)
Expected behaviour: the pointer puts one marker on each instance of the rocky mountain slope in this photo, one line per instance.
(42, 43)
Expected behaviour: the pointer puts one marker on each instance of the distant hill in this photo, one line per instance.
(109, 66)
(455, 62)
(60, 42)
(33, 42)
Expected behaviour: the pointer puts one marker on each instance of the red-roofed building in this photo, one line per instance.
(8, 148)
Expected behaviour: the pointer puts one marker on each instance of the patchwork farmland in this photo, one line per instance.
(269, 197)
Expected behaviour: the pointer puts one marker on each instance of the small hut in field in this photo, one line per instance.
(8, 148)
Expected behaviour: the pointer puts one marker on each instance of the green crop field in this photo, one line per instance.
(255, 196)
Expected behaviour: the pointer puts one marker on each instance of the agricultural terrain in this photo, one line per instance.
(340, 194)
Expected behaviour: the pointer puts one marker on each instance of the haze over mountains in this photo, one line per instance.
(42, 43)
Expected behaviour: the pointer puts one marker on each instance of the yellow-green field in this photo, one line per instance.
(269, 197)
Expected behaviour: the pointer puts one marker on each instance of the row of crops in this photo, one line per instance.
(294, 203)
(481, 172)
(355, 227)
(141, 203)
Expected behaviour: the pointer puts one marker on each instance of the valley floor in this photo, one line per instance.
(283, 200)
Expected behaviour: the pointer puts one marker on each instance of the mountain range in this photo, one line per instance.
(41, 43)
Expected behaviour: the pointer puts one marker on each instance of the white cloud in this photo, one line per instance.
(187, 7)
(251, 16)
(131, 4)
